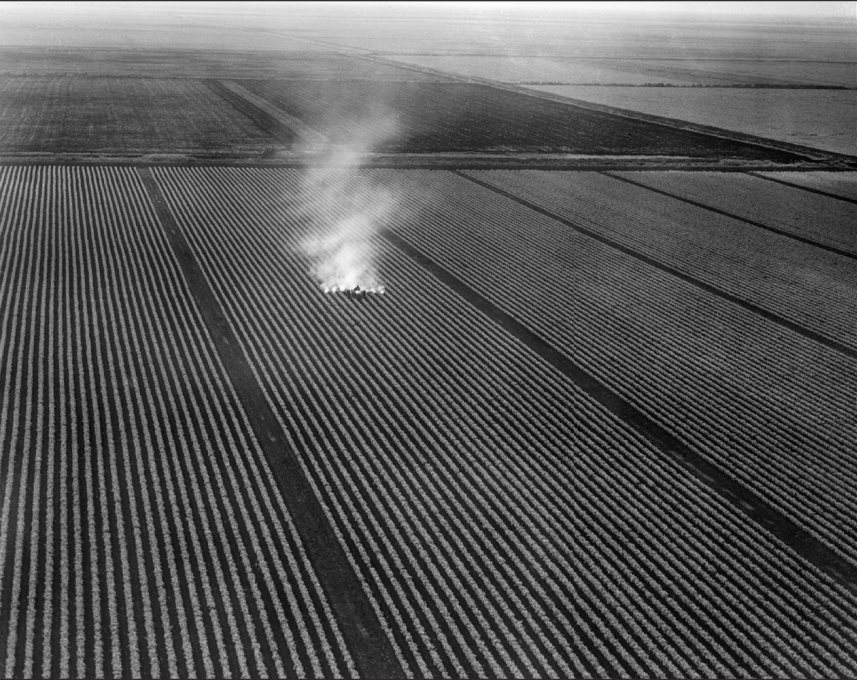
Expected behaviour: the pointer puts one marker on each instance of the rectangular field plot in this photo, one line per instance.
(436, 117)
(468, 477)
(822, 119)
(120, 115)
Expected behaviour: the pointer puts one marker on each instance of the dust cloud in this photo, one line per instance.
(347, 209)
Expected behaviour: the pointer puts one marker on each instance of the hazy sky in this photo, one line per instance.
(840, 10)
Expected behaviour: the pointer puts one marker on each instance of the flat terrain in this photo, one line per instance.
(465, 475)
(121, 116)
(819, 118)
(615, 71)
(427, 117)
(601, 423)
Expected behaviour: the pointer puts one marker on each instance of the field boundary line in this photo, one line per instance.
(812, 190)
(736, 494)
(365, 639)
(726, 213)
(707, 287)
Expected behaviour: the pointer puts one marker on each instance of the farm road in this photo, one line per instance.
(209, 468)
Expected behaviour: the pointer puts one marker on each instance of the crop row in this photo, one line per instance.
(805, 285)
(431, 117)
(120, 115)
(842, 184)
(822, 219)
(770, 406)
(139, 531)
(500, 520)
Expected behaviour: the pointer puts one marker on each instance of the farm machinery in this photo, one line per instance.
(355, 291)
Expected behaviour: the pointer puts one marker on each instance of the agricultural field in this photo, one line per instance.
(658, 339)
(841, 184)
(121, 116)
(463, 473)
(195, 64)
(754, 198)
(749, 72)
(525, 69)
(620, 71)
(810, 286)
(333, 345)
(435, 117)
(823, 119)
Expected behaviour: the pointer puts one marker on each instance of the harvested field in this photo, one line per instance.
(823, 119)
(435, 117)
(118, 115)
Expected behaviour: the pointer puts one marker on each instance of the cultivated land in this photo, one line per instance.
(601, 423)
(819, 118)
(94, 115)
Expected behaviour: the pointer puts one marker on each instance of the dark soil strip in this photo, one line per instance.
(371, 650)
(725, 213)
(770, 316)
(731, 490)
(812, 190)
(263, 120)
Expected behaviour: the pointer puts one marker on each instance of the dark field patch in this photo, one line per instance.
(442, 117)
(120, 115)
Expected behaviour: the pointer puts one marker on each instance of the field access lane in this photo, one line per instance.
(140, 532)
(500, 520)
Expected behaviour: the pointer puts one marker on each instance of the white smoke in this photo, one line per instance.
(347, 208)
